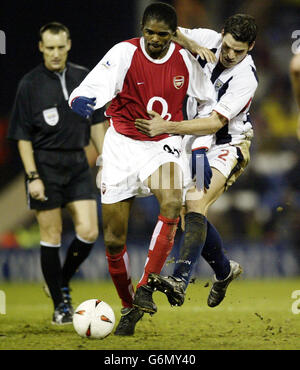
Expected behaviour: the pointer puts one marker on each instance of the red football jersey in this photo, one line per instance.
(134, 84)
(150, 85)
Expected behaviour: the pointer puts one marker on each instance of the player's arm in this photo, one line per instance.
(194, 47)
(35, 187)
(295, 80)
(103, 82)
(198, 126)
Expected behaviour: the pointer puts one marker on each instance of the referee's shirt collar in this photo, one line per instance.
(53, 74)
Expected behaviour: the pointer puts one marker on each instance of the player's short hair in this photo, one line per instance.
(242, 27)
(55, 28)
(161, 12)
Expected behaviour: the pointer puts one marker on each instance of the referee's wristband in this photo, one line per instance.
(33, 175)
(33, 179)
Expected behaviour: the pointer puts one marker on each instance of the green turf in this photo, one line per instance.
(254, 315)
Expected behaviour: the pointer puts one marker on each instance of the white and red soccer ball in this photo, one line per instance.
(94, 319)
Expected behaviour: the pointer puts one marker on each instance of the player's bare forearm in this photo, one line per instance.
(199, 126)
(194, 47)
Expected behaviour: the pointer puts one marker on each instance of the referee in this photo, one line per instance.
(51, 140)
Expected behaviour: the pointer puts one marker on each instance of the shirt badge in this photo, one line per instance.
(178, 82)
(218, 84)
(51, 116)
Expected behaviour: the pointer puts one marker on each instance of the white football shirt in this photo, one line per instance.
(234, 87)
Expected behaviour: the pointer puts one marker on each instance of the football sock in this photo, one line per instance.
(160, 247)
(76, 254)
(118, 266)
(191, 244)
(52, 272)
(213, 253)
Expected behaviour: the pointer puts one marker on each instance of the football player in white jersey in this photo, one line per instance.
(221, 141)
(137, 75)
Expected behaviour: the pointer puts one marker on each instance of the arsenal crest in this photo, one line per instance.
(178, 81)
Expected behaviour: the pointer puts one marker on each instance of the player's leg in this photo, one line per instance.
(192, 241)
(85, 219)
(50, 225)
(162, 241)
(115, 225)
(229, 163)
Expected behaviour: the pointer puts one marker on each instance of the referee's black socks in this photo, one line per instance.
(51, 269)
(77, 252)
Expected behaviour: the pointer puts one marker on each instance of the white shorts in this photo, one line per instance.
(222, 157)
(127, 163)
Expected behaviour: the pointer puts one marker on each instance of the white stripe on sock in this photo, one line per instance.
(127, 265)
(46, 244)
(84, 241)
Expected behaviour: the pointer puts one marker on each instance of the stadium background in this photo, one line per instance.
(259, 218)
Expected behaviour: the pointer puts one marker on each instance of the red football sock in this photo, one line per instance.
(118, 266)
(160, 246)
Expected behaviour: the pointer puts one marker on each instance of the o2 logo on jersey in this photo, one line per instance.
(164, 114)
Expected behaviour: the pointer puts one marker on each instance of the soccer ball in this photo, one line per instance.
(94, 319)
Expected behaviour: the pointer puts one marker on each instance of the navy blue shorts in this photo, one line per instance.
(66, 176)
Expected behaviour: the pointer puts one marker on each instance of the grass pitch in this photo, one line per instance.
(255, 315)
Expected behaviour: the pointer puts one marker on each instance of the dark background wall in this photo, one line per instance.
(95, 26)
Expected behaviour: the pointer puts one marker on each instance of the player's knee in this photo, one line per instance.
(90, 235)
(114, 242)
(171, 208)
(87, 231)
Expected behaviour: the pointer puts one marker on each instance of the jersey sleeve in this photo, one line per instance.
(238, 96)
(106, 80)
(200, 86)
(203, 36)
(20, 126)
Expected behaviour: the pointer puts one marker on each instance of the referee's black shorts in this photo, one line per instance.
(66, 175)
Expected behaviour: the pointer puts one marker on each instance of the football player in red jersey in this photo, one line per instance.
(147, 73)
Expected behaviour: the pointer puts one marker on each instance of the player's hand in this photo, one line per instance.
(155, 126)
(201, 153)
(194, 47)
(83, 106)
(36, 190)
(205, 54)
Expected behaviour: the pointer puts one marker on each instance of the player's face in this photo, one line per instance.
(55, 48)
(232, 51)
(157, 37)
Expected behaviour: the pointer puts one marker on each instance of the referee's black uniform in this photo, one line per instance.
(41, 115)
